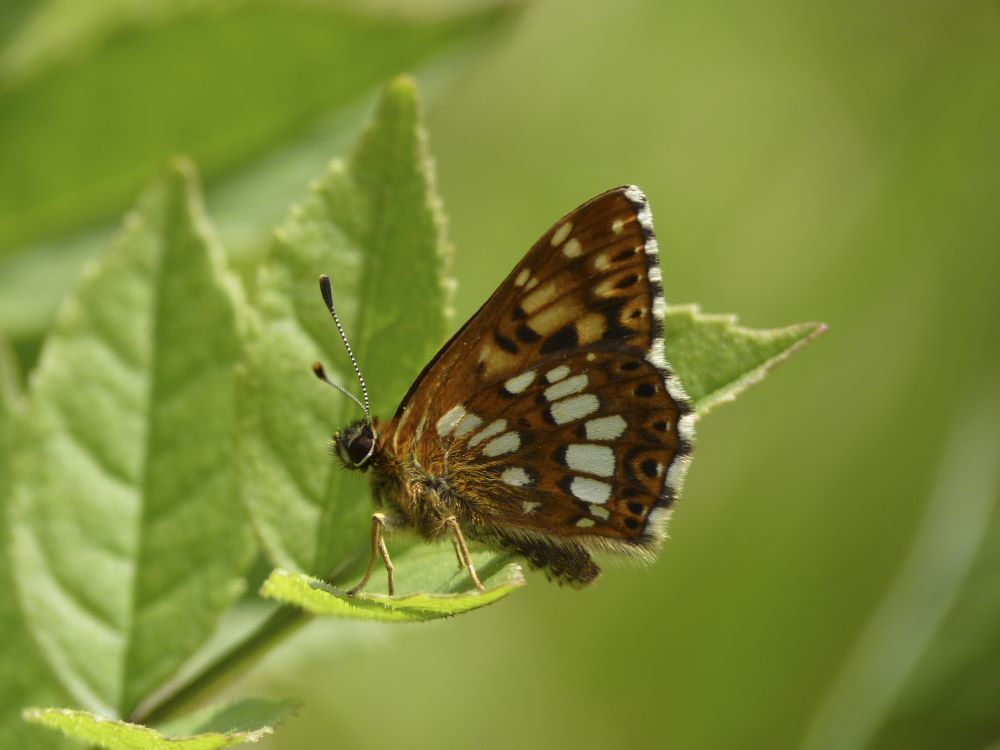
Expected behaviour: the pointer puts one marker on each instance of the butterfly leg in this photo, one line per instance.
(379, 549)
(389, 567)
(463, 551)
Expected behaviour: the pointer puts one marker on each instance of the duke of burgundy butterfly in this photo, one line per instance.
(550, 425)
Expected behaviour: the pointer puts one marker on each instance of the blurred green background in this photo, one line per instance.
(832, 578)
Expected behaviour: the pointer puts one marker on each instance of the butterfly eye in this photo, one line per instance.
(355, 445)
(360, 449)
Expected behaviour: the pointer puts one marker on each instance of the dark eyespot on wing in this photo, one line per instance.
(565, 338)
(527, 334)
(505, 343)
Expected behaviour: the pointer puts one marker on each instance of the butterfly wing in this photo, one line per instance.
(553, 410)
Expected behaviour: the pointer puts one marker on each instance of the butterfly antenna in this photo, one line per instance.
(324, 287)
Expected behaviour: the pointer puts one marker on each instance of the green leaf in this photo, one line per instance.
(716, 359)
(439, 588)
(25, 678)
(128, 533)
(244, 715)
(134, 84)
(247, 197)
(216, 727)
(375, 226)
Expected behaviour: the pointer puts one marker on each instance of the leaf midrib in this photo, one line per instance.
(168, 232)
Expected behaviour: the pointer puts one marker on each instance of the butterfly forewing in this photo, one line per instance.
(553, 409)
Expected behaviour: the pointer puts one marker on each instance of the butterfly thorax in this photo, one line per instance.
(424, 495)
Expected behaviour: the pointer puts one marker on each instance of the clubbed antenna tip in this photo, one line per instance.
(327, 292)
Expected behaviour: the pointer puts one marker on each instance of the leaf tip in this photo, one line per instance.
(181, 170)
(813, 330)
(404, 85)
(400, 101)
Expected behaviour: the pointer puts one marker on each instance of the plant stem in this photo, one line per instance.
(226, 667)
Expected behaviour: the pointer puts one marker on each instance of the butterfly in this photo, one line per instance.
(550, 425)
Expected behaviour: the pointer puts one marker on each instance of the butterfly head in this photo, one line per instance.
(355, 445)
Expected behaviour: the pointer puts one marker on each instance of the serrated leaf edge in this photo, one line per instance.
(35, 715)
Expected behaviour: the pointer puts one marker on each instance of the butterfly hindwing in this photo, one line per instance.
(588, 451)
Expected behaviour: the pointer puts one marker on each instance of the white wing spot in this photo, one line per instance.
(645, 217)
(571, 409)
(560, 235)
(493, 428)
(557, 373)
(572, 249)
(506, 443)
(606, 428)
(676, 391)
(600, 512)
(566, 387)
(655, 356)
(617, 225)
(451, 418)
(522, 278)
(530, 506)
(677, 471)
(655, 274)
(515, 477)
(585, 523)
(635, 195)
(591, 356)
(656, 523)
(518, 383)
(651, 247)
(590, 490)
(592, 459)
(468, 423)
(685, 427)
